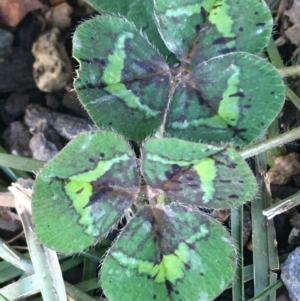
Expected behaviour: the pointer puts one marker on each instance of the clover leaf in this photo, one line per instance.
(214, 95)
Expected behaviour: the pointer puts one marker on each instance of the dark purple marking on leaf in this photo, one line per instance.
(227, 50)
(224, 40)
(99, 193)
(262, 123)
(201, 274)
(273, 92)
(203, 13)
(175, 170)
(80, 190)
(187, 266)
(154, 296)
(249, 99)
(144, 65)
(241, 29)
(225, 181)
(216, 6)
(101, 155)
(99, 62)
(88, 61)
(260, 24)
(219, 162)
(240, 181)
(237, 94)
(176, 292)
(145, 27)
(110, 123)
(256, 13)
(233, 196)
(197, 28)
(87, 86)
(231, 165)
(169, 286)
(247, 106)
(92, 160)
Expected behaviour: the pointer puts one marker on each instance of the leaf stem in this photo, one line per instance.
(268, 144)
(289, 71)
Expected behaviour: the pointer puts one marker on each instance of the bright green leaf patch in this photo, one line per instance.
(197, 174)
(226, 105)
(120, 69)
(169, 257)
(84, 191)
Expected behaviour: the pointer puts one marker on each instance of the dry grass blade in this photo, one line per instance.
(282, 206)
(44, 260)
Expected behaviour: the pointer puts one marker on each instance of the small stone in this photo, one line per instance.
(294, 237)
(6, 39)
(52, 69)
(16, 104)
(42, 149)
(59, 16)
(16, 139)
(290, 274)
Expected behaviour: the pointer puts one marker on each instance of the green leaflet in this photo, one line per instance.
(197, 174)
(119, 73)
(125, 85)
(197, 30)
(234, 104)
(140, 12)
(81, 194)
(169, 257)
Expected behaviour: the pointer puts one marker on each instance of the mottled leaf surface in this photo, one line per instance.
(197, 30)
(169, 257)
(119, 73)
(140, 12)
(231, 98)
(197, 174)
(84, 190)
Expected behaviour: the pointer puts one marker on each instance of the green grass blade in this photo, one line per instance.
(89, 269)
(15, 258)
(77, 294)
(237, 235)
(21, 163)
(44, 261)
(8, 272)
(265, 257)
(71, 263)
(268, 291)
(13, 174)
(89, 285)
(23, 288)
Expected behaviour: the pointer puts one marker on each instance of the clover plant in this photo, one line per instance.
(218, 91)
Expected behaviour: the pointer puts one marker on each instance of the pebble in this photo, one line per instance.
(6, 39)
(290, 274)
